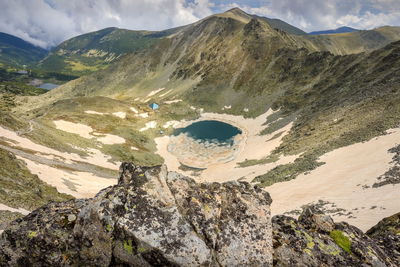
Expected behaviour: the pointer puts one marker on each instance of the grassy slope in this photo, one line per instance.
(17, 52)
(20, 188)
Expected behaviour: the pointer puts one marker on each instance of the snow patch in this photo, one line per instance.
(143, 115)
(149, 125)
(173, 101)
(154, 92)
(120, 114)
(75, 128)
(134, 110)
(94, 112)
(19, 210)
(172, 124)
(166, 93)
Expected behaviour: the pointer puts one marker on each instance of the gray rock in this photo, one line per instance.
(151, 218)
(315, 240)
(71, 217)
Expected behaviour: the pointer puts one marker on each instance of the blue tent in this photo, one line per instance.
(154, 106)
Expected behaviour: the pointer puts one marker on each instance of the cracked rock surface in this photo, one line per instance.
(151, 218)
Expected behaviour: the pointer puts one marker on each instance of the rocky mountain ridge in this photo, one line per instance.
(92, 51)
(156, 218)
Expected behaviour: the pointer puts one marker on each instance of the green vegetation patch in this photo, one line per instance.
(128, 247)
(341, 240)
(251, 162)
(287, 172)
(18, 88)
(32, 234)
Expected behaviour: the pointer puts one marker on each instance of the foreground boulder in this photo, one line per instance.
(151, 218)
(315, 240)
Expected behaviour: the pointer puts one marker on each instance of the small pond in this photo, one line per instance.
(48, 86)
(210, 131)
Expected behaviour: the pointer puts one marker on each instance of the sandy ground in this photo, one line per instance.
(19, 210)
(254, 146)
(341, 180)
(77, 184)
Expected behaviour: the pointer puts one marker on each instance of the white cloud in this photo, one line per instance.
(48, 22)
(311, 15)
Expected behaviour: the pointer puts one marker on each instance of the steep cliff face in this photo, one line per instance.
(151, 218)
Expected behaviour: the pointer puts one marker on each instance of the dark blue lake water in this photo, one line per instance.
(212, 131)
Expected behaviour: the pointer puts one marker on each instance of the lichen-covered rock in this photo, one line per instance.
(387, 236)
(315, 240)
(151, 218)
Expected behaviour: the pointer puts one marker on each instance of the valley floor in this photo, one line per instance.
(252, 146)
(342, 186)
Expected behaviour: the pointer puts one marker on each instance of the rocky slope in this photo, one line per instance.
(151, 218)
(315, 240)
(156, 218)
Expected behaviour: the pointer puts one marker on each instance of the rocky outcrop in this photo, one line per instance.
(151, 218)
(387, 236)
(315, 240)
(155, 218)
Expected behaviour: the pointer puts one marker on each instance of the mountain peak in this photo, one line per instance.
(237, 14)
(235, 10)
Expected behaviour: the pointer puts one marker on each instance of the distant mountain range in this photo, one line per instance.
(15, 51)
(338, 30)
(94, 51)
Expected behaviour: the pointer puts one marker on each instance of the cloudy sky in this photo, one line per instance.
(46, 23)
